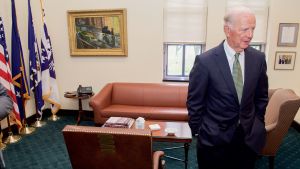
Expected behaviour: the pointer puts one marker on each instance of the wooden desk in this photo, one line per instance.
(74, 95)
(183, 134)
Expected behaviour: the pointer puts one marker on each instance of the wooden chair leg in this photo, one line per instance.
(271, 162)
(163, 164)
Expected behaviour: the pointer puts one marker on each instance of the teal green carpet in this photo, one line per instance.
(45, 149)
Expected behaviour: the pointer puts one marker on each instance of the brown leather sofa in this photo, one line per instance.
(155, 101)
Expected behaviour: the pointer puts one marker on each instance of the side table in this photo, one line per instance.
(75, 95)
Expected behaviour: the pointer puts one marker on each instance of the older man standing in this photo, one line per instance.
(227, 97)
(6, 107)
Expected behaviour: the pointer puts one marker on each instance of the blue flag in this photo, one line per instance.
(50, 88)
(18, 67)
(34, 64)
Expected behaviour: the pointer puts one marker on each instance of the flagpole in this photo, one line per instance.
(11, 137)
(2, 145)
(25, 128)
(42, 10)
(39, 122)
(53, 117)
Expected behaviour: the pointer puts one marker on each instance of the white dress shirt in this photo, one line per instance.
(230, 57)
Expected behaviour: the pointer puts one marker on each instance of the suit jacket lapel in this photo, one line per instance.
(224, 68)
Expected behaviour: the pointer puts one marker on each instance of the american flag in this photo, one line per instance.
(34, 64)
(50, 89)
(5, 75)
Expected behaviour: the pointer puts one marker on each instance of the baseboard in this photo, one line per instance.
(72, 112)
(86, 115)
(296, 126)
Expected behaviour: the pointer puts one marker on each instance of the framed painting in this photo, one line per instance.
(285, 60)
(97, 32)
(288, 34)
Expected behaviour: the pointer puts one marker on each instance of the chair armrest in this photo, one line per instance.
(157, 159)
(270, 127)
(101, 99)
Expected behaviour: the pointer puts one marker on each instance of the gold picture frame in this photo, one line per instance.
(97, 32)
(284, 60)
(288, 34)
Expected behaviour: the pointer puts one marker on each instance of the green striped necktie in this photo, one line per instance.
(237, 76)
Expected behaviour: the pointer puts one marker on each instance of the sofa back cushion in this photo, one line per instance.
(149, 94)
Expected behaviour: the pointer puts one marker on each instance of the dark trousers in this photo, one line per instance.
(235, 155)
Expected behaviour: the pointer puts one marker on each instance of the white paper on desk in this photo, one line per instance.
(154, 126)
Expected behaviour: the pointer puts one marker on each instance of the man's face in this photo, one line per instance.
(240, 34)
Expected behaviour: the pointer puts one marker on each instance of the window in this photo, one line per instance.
(257, 46)
(179, 60)
(185, 33)
(184, 36)
(180, 57)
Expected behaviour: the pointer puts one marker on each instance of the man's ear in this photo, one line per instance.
(227, 30)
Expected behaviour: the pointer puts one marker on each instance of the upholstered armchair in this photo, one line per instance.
(113, 148)
(280, 113)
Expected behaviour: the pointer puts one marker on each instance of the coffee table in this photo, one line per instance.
(182, 135)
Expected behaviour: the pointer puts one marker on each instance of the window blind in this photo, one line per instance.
(185, 21)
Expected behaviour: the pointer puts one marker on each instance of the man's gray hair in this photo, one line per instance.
(233, 12)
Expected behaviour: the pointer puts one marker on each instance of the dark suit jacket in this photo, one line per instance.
(213, 106)
(5, 103)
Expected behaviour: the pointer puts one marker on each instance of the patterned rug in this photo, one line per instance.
(45, 149)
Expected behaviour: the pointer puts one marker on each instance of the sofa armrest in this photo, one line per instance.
(101, 99)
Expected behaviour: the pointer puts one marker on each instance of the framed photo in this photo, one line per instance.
(288, 34)
(98, 32)
(285, 60)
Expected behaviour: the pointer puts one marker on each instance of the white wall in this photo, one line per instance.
(283, 12)
(144, 62)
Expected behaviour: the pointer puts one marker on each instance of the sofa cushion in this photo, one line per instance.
(148, 112)
(149, 94)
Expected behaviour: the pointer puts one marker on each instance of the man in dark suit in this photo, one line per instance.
(227, 97)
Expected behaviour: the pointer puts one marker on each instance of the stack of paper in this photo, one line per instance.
(154, 126)
(119, 122)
